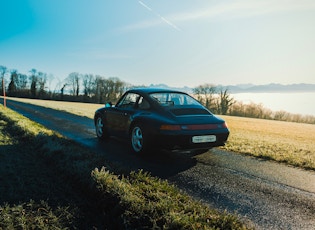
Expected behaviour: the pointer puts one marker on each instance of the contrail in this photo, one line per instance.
(158, 15)
(145, 6)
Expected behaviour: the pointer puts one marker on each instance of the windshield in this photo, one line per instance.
(174, 99)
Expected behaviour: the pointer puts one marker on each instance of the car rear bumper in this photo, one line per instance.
(184, 141)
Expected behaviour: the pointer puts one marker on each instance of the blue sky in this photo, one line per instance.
(178, 42)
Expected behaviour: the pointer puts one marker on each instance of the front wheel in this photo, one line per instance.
(138, 139)
(100, 129)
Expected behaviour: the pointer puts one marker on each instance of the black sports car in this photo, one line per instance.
(161, 118)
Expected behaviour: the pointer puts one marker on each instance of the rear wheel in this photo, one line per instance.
(100, 129)
(138, 139)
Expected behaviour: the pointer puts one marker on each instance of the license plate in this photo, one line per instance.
(204, 139)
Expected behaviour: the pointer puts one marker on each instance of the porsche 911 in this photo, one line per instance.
(161, 119)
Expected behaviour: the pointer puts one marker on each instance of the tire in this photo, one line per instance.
(138, 140)
(100, 129)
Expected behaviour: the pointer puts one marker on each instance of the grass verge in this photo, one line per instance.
(48, 182)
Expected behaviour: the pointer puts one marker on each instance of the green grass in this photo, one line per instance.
(33, 215)
(49, 182)
(287, 142)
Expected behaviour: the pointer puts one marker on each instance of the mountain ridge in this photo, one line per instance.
(273, 88)
(252, 88)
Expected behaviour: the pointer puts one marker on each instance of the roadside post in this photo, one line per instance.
(4, 99)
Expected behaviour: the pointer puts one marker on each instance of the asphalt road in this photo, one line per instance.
(266, 194)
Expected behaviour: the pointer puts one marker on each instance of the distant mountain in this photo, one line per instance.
(251, 88)
(272, 88)
(163, 86)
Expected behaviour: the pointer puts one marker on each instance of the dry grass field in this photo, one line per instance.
(291, 143)
(81, 109)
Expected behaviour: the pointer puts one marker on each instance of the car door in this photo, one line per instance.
(121, 115)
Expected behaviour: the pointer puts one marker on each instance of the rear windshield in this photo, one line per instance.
(174, 99)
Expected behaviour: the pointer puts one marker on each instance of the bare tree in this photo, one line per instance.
(22, 82)
(98, 89)
(50, 78)
(33, 79)
(41, 79)
(108, 90)
(225, 101)
(281, 115)
(113, 88)
(238, 109)
(88, 81)
(12, 88)
(62, 90)
(73, 80)
(206, 95)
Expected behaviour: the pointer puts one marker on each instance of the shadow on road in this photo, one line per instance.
(159, 163)
(81, 129)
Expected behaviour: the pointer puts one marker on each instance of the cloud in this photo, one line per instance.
(243, 9)
(224, 10)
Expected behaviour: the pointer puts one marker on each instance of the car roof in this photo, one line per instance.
(153, 90)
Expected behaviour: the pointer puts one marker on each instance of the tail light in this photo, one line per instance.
(224, 125)
(170, 127)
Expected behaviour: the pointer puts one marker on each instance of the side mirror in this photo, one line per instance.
(108, 104)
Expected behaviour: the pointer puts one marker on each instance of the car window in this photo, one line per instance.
(174, 99)
(128, 101)
(143, 103)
